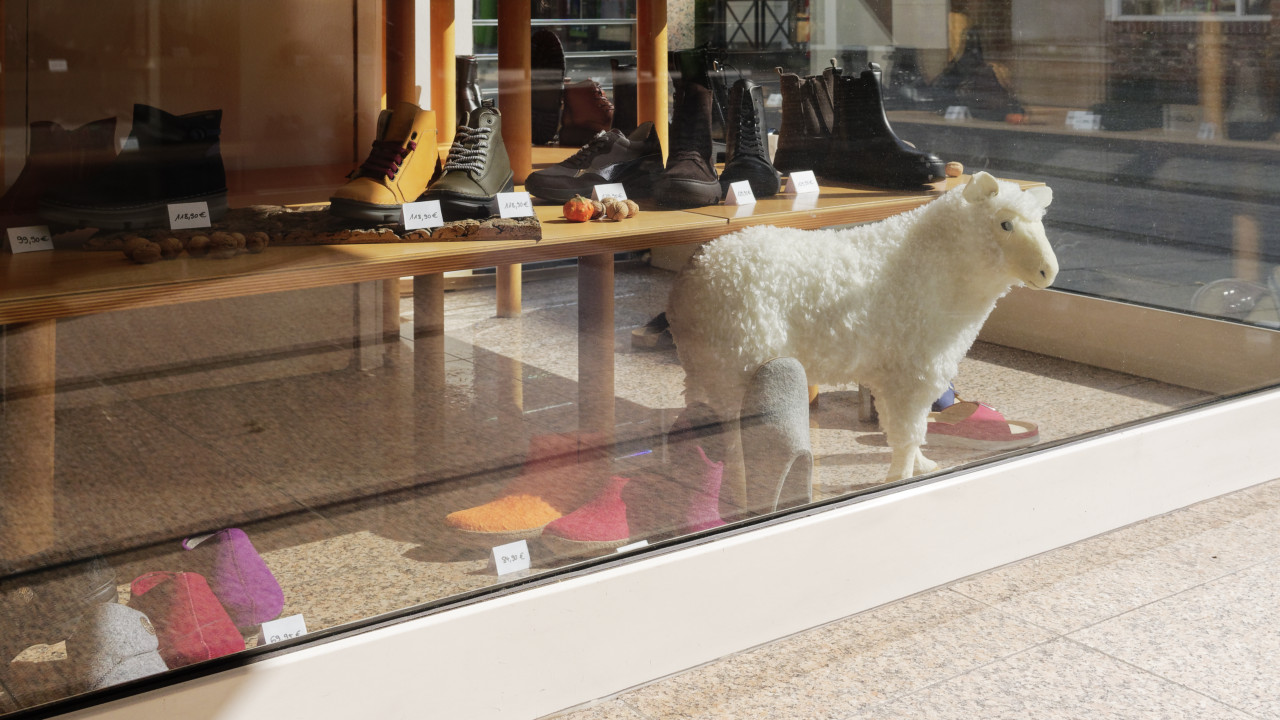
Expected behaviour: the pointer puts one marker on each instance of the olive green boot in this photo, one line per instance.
(477, 170)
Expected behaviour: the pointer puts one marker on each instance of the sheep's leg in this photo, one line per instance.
(904, 417)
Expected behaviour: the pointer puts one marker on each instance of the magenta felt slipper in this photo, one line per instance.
(238, 576)
(601, 524)
(975, 426)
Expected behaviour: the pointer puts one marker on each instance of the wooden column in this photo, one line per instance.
(429, 407)
(444, 70)
(516, 104)
(400, 52)
(29, 365)
(1211, 75)
(651, 65)
(595, 344)
(509, 288)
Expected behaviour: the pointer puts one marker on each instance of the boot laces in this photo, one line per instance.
(748, 135)
(469, 149)
(385, 158)
(598, 144)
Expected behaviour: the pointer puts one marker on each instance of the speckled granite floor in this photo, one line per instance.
(342, 476)
(1177, 617)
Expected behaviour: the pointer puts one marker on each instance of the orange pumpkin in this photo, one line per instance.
(579, 209)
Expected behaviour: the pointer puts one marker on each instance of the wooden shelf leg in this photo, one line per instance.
(595, 344)
(444, 80)
(28, 365)
(428, 369)
(515, 100)
(401, 52)
(651, 65)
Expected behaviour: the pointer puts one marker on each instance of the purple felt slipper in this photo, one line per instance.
(238, 576)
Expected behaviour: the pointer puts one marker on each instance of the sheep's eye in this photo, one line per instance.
(1007, 226)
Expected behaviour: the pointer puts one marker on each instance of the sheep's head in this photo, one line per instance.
(1015, 216)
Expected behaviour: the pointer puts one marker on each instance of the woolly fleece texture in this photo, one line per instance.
(892, 305)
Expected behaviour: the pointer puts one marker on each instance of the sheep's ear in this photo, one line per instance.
(981, 187)
(1043, 195)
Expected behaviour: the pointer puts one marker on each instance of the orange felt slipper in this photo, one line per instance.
(557, 478)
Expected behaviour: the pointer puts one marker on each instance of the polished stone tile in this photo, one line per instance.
(1219, 639)
(833, 670)
(1056, 681)
(1110, 575)
(608, 710)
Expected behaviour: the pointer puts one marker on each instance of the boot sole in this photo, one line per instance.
(682, 193)
(765, 182)
(364, 212)
(130, 217)
(456, 206)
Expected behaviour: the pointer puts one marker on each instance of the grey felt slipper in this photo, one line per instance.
(776, 452)
(113, 644)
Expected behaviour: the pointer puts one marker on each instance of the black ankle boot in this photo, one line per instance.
(546, 85)
(971, 81)
(864, 147)
(624, 96)
(468, 86)
(689, 179)
(57, 157)
(746, 156)
(166, 159)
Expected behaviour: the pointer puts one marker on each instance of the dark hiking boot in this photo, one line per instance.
(546, 85)
(468, 86)
(58, 158)
(398, 169)
(808, 114)
(477, 170)
(166, 159)
(624, 96)
(634, 160)
(746, 155)
(586, 112)
(865, 149)
(689, 179)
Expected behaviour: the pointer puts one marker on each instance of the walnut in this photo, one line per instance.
(632, 206)
(198, 245)
(257, 242)
(170, 248)
(222, 246)
(615, 209)
(148, 252)
(954, 169)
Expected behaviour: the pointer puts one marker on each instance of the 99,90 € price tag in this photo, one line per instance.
(30, 239)
(512, 557)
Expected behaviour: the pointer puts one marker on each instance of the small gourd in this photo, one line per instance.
(578, 209)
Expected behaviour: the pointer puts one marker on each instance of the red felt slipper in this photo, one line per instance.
(976, 426)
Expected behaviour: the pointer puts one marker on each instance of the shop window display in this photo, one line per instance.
(251, 419)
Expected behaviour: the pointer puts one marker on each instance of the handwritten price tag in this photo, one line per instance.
(802, 182)
(740, 194)
(285, 628)
(29, 239)
(512, 557)
(515, 205)
(425, 214)
(633, 546)
(609, 190)
(189, 215)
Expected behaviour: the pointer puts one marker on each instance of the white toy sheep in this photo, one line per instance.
(892, 306)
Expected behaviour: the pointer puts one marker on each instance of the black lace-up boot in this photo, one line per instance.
(166, 159)
(634, 160)
(865, 149)
(746, 157)
(477, 170)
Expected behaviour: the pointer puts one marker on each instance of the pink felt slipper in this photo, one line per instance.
(976, 426)
(599, 525)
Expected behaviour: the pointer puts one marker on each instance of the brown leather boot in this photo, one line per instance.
(808, 115)
(690, 176)
(398, 168)
(586, 112)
